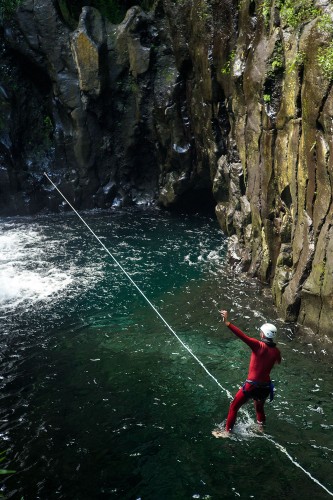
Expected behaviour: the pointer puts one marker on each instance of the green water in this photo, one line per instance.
(100, 400)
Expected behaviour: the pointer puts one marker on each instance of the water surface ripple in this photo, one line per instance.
(100, 400)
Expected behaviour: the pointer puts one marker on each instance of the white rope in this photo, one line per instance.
(277, 445)
(283, 450)
(140, 291)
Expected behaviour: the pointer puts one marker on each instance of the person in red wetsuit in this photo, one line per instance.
(258, 385)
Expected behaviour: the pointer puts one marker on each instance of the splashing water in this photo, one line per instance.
(20, 281)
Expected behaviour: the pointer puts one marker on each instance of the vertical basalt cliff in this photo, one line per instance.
(192, 103)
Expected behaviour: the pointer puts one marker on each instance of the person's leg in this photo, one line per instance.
(259, 407)
(238, 401)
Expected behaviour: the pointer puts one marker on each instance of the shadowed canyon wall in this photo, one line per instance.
(192, 103)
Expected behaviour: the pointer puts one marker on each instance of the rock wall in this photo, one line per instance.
(260, 102)
(281, 100)
(195, 101)
(95, 87)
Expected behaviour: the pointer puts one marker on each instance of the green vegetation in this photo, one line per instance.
(8, 7)
(226, 70)
(325, 24)
(325, 60)
(2, 459)
(202, 11)
(267, 98)
(325, 54)
(277, 64)
(4, 472)
(48, 123)
(297, 62)
(113, 10)
(168, 75)
(277, 60)
(294, 13)
(67, 14)
(265, 10)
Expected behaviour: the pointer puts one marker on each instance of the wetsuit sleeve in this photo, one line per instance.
(254, 344)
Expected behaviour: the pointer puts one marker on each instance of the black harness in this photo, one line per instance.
(261, 390)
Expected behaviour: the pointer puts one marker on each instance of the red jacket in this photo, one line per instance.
(263, 356)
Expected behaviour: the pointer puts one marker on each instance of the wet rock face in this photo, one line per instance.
(260, 107)
(126, 103)
(281, 107)
(98, 107)
(199, 101)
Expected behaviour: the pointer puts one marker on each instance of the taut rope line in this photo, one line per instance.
(268, 438)
(140, 291)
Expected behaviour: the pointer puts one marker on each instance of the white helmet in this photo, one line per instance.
(268, 330)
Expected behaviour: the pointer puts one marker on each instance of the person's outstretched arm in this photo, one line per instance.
(254, 344)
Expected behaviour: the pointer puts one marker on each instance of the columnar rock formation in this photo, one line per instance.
(195, 101)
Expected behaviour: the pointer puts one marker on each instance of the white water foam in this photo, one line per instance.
(25, 273)
(206, 257)
(18, 286)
